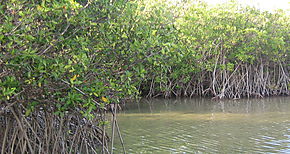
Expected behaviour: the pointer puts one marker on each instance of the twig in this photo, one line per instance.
(24, 132)
(120, 136)
(11, 104)
(80, 91)
(5, 137)
(113, 127)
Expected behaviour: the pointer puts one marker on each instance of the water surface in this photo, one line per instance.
(206, 126)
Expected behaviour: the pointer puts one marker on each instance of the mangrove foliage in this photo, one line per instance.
(64, 64)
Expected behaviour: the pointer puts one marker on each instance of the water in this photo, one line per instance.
(206, 126)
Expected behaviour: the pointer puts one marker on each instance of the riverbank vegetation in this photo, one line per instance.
(61, 61)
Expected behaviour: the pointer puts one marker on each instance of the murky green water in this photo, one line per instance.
(206, 126)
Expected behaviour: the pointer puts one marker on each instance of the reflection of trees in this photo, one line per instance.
(205, 105)
(250, 105)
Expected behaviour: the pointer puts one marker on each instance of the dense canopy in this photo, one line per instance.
(80, 56)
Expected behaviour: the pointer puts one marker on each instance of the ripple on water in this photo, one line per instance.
(249, 130)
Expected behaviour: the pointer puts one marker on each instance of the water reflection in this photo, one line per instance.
(203, 125)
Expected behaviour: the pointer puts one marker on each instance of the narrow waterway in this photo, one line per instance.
(206, 126)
